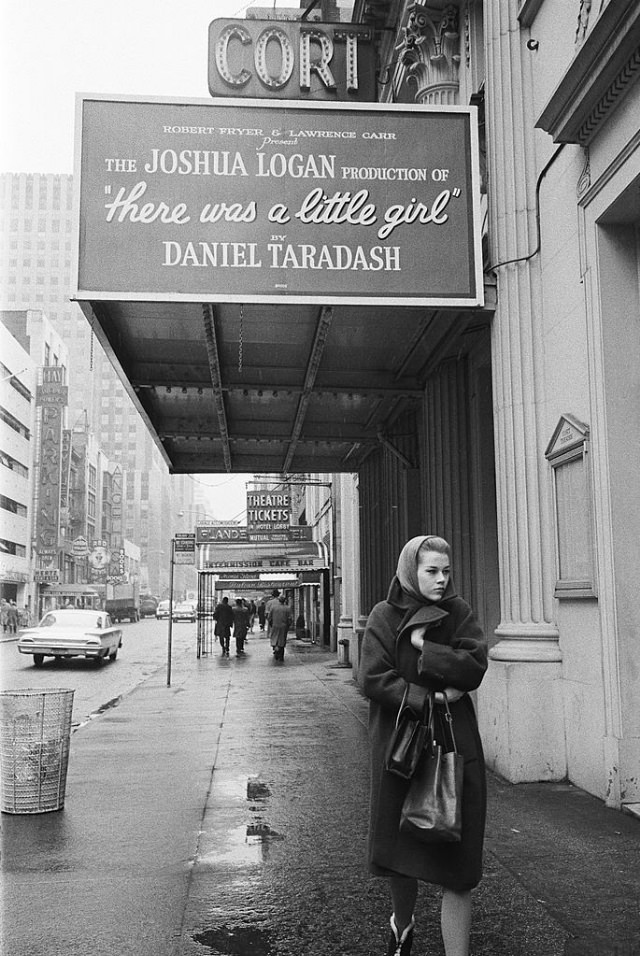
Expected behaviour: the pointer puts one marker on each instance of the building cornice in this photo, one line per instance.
(605, 66)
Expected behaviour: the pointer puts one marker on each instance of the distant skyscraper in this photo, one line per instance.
(36, 261)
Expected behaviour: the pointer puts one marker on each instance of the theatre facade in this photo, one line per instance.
(404, 252)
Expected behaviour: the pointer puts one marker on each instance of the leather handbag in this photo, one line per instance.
(432, 810)
(407, 742)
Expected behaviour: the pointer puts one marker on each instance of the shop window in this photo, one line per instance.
(568, 456)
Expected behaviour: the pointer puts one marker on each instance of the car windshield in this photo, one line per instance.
(69, 618)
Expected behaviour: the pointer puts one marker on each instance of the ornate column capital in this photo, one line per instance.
(430, 52)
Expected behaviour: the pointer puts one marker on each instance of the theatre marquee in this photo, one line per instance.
(239, 200)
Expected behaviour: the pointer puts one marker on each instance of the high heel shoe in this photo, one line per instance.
(400, 944)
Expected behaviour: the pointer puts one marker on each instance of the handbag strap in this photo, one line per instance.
(449, 721)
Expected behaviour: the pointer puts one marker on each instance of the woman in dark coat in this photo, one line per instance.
(424, 638)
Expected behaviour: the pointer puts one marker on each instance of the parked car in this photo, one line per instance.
(148, 605)
(185, 611)
(72, 632)
(162, 610)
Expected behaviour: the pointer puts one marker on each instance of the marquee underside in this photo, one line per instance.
(266, 388)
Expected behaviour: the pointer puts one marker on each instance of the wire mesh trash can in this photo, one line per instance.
(35, 730)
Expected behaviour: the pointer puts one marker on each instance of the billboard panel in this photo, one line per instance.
(277, 201)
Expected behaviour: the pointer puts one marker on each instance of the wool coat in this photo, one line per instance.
(280, 621)
(454, 655)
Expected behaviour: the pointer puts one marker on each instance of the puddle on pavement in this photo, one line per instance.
(257, 789)
(239, 941)
(244, 845)
(249, 843)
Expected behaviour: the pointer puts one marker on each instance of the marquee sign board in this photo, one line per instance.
(279, 201)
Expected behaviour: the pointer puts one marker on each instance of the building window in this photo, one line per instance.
(14, 507)
(13, 465)
(568, 456)
(13, 422)
(11, 547)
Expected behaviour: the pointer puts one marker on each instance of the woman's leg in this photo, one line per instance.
(404, 892)
(455, 922)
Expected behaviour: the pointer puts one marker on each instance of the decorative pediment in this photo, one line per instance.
(569, 433)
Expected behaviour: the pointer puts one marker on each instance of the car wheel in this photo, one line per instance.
(38, 660)
(113, 655)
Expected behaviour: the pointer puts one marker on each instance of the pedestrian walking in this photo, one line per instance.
(422, 639)
(12, 617)
(4, 615)
(223, 616)
(273, 601)
(280, 620)
(262, 614)
(240, 625)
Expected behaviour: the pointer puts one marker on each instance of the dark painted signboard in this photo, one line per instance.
(277, 201)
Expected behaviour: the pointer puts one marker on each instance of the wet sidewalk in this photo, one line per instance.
(227, 815)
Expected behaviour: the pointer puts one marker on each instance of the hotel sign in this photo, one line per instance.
(277, 201)
(291, 60)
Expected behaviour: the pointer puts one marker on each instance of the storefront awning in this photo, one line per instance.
(263, 559)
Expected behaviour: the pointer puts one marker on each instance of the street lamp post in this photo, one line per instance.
(170, 633)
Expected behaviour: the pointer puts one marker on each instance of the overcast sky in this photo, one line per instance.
(52, 49)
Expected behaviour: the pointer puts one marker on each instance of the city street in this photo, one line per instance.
(144, 651)
(227, 814)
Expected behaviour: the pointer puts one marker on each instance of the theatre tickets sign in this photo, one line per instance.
(238, 200)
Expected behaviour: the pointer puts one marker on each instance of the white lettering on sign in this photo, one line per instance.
(275, 51)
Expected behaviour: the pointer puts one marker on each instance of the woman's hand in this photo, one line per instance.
(417, 637)
(449, 693)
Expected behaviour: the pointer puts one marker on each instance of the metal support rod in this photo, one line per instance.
(170, 613)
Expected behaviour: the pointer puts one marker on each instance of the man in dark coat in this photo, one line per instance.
(423, 639)
(223, 616)
(280, 621)
(240, 625)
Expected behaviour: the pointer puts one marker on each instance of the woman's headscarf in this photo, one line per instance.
(406, 577)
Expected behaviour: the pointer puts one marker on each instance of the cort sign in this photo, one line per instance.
(292, 59)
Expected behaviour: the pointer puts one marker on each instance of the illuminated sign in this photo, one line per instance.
(47, 575)
(206, 533)
(268, 510)
(116, 504)
(278, 201)
(51, 396)
(291, 59)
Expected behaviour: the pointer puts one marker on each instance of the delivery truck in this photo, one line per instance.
(123, 601)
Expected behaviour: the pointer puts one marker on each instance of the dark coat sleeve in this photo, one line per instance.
(455, 651)
(378, 674)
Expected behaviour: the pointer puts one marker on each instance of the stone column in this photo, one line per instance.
(348, 548)
(431, 53)
(520, 702)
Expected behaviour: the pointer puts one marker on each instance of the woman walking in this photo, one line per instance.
(423, 639)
